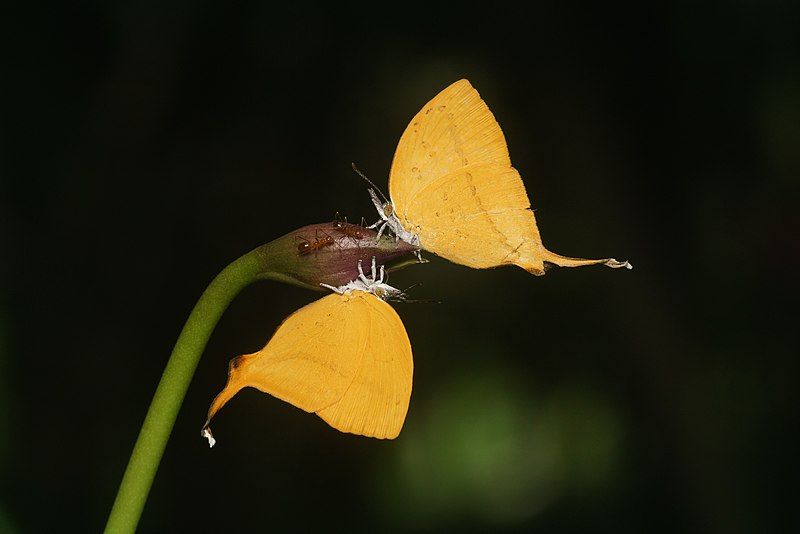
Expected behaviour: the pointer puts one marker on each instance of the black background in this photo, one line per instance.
(146, 147)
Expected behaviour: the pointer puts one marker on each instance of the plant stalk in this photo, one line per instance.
(172, 388)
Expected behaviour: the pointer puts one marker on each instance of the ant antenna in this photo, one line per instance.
(364, 176)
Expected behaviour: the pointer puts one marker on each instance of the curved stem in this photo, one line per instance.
(172, 388)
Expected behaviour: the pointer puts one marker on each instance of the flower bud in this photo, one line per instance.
(328, 253)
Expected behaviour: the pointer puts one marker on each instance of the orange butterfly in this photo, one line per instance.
(454, 192)
(345, 357)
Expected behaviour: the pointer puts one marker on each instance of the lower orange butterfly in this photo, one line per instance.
(345, 357)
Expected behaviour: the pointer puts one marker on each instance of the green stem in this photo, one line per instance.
(172, 388)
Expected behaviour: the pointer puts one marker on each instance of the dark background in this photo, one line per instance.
(145, 148)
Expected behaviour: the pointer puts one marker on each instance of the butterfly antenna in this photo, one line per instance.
(409, 288)
(364, 176)
(403, 296)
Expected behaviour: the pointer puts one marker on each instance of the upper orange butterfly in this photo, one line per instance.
(454, 192)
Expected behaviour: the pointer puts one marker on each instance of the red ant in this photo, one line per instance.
(350, 230)
(307, 247)
(353, 231)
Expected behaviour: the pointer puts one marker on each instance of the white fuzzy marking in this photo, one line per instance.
(206, 433)
(615, 264)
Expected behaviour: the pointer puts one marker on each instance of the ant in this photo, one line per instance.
(353, 231)
(350, 230)
(307, 247)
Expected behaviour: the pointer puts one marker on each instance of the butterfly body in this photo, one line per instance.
(390, 220)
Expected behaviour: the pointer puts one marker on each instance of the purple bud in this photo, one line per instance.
(328, 253)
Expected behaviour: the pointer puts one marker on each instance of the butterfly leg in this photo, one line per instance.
(361, 275)
(339, 290)
(381, 229)
(374, 277)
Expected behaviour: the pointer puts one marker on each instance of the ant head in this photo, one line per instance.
(339, 221)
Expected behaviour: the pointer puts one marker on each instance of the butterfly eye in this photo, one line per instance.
(388, 209)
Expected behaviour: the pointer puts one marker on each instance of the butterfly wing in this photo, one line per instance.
(345, 357)
(376, 402)
(452, 184)
(478, 216)
(452, 131)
